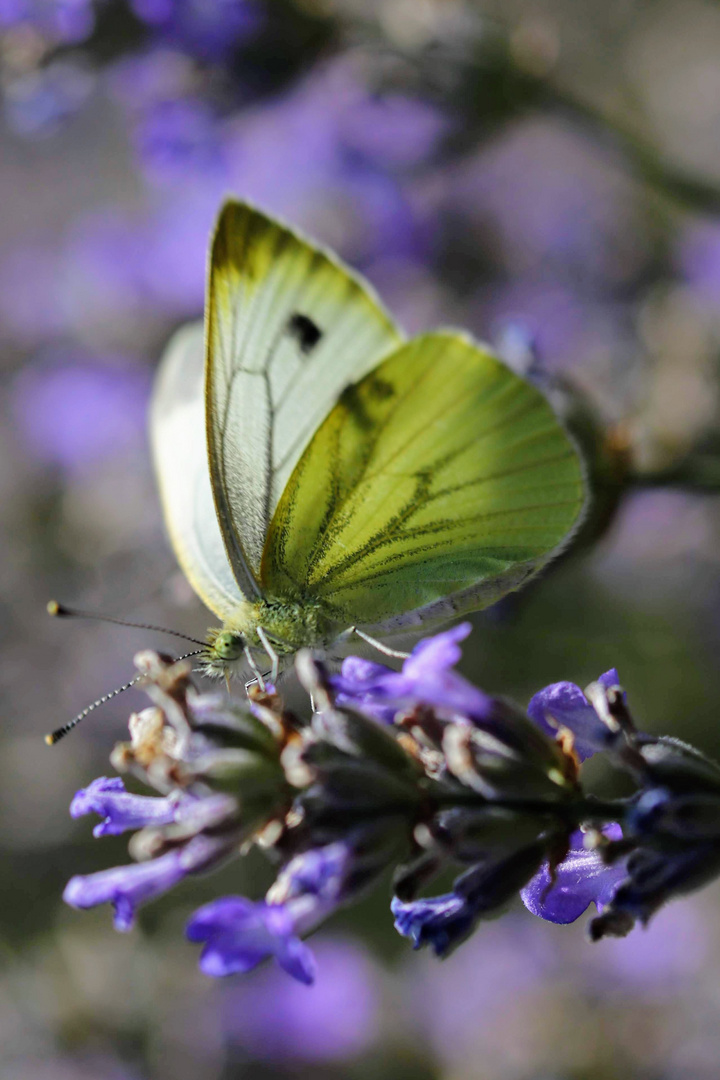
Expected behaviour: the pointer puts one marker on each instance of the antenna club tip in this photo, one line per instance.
(53, 608)
(50, 740)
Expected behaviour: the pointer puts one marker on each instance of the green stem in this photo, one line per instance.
(696, 472)
(585, 808)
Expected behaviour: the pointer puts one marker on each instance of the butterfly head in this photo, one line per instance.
(224, 648)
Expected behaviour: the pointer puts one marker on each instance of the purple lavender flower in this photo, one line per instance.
(438, 921)
(361, 684)
(564, 704)
(444, 922)
(239, 934)
(426, 678)
(581, 879)
(122, 811)
(127, 887)
(318, 874)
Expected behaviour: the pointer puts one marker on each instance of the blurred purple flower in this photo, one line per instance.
(127, 887)
(552, 201)
(564, 704)
(122, 811)
(176, 138)
(465, 1002)
(697, 257)
(301, 155)
(173, 268)
(304, 156)
(673, 947)
(275, 1018)
(140, 80)
(12, 12)
(380, 221)
(394, 130)
(72, 413)
(426, 678)
(66, 22)
(38, 101)
(208, 29)
(118, 266)
(29, 296)
(100, 268)
(581, 879)
(567, 327)
(74, 20)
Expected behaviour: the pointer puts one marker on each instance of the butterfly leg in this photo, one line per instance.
(376, 644)
(254, 668)
(253, 682)
(274, 659)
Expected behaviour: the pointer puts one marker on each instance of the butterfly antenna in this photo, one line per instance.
(61, 732)
(60, 611)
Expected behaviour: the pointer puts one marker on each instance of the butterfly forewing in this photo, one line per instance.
(440, 473)
(288, 327)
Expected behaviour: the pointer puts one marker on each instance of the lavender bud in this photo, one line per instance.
(509, 758)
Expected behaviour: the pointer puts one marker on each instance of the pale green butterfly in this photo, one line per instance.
(319, 472)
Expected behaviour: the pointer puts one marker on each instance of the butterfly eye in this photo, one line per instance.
(228, 645)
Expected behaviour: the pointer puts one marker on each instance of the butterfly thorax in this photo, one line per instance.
(288, 625)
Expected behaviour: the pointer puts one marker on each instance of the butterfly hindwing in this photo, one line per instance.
(440, 473)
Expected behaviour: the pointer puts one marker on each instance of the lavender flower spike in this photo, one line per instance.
(127, 887)
(122, 811)
(563, 704)
(455, 779)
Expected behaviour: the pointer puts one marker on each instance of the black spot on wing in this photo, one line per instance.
(305, 331)
(380, 389)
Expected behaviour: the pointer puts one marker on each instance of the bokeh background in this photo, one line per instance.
(546, 174)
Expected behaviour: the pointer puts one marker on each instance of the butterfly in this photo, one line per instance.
(319, 472)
